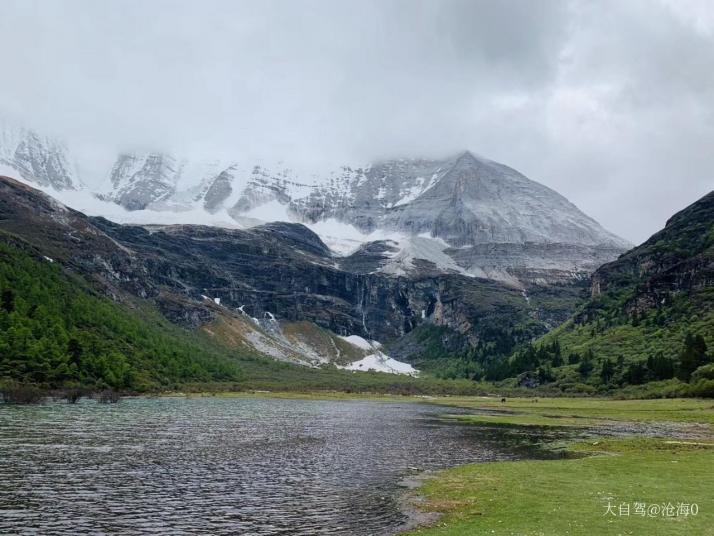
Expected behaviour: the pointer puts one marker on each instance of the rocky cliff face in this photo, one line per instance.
(139, 181)
(195, 274)
(461, 215)
(677, 261)
(35, 158)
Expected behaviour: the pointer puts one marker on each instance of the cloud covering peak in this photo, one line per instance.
(608, 103)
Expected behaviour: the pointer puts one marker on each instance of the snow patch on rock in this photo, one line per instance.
(271, 211)
(376, 360)
(360, 342)
(421, 247)
(381, 362)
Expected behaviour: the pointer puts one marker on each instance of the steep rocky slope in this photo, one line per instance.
(676, 261)
(651, 312)
(197, 275)
(36, 158)
(409, 217)
(462, 215)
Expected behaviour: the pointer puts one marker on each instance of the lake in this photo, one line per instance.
(254, 466)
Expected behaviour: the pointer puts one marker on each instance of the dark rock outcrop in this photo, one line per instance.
(678, 260)
(189, 271)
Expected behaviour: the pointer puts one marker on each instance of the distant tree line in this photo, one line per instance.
(606, 370)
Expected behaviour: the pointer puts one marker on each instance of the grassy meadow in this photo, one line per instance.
(649, 483)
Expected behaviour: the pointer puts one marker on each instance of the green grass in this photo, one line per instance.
(558, 497)
(569, 496)
(583, 411)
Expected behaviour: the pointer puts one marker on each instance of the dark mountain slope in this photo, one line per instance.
(56, 331)
(87, 316)
(651, 314)
(678, 260)
(281, 269)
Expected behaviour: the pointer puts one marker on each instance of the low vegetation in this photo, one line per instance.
(619, 487)
(581, 411)
(652, 358)
(601, 486)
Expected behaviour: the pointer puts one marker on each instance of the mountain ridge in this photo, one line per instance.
(463, 214)
(279, 273)
(650, 316)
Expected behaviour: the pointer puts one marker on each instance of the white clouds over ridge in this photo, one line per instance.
(610, 103)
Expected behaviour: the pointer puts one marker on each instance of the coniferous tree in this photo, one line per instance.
(660, 367)
(692, 356)
(636, 373)
(7, 300)
(607, 370)
(586, 365)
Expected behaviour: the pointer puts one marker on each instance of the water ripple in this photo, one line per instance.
(219, 466)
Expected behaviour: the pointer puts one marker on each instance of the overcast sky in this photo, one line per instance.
(609, 103)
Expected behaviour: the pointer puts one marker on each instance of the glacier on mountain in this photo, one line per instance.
(464, 214)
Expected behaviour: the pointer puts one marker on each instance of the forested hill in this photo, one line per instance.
(676, 262)
(650, 317)
(55, 330)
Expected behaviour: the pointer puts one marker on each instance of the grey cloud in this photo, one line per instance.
(609, 103)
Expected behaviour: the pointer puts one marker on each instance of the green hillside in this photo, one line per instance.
(650, 319)
(57, 331)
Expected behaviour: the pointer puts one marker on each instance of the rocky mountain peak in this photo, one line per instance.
(464, 214)
(467, 156)
(138, 181)
(37, 159)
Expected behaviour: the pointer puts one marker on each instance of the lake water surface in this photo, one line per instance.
(222, 465)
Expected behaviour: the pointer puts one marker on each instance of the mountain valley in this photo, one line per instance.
(450, 267)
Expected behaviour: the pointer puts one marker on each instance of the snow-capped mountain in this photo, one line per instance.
(464, 214)
(139, 181)
(470, 201)
(38, 159)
